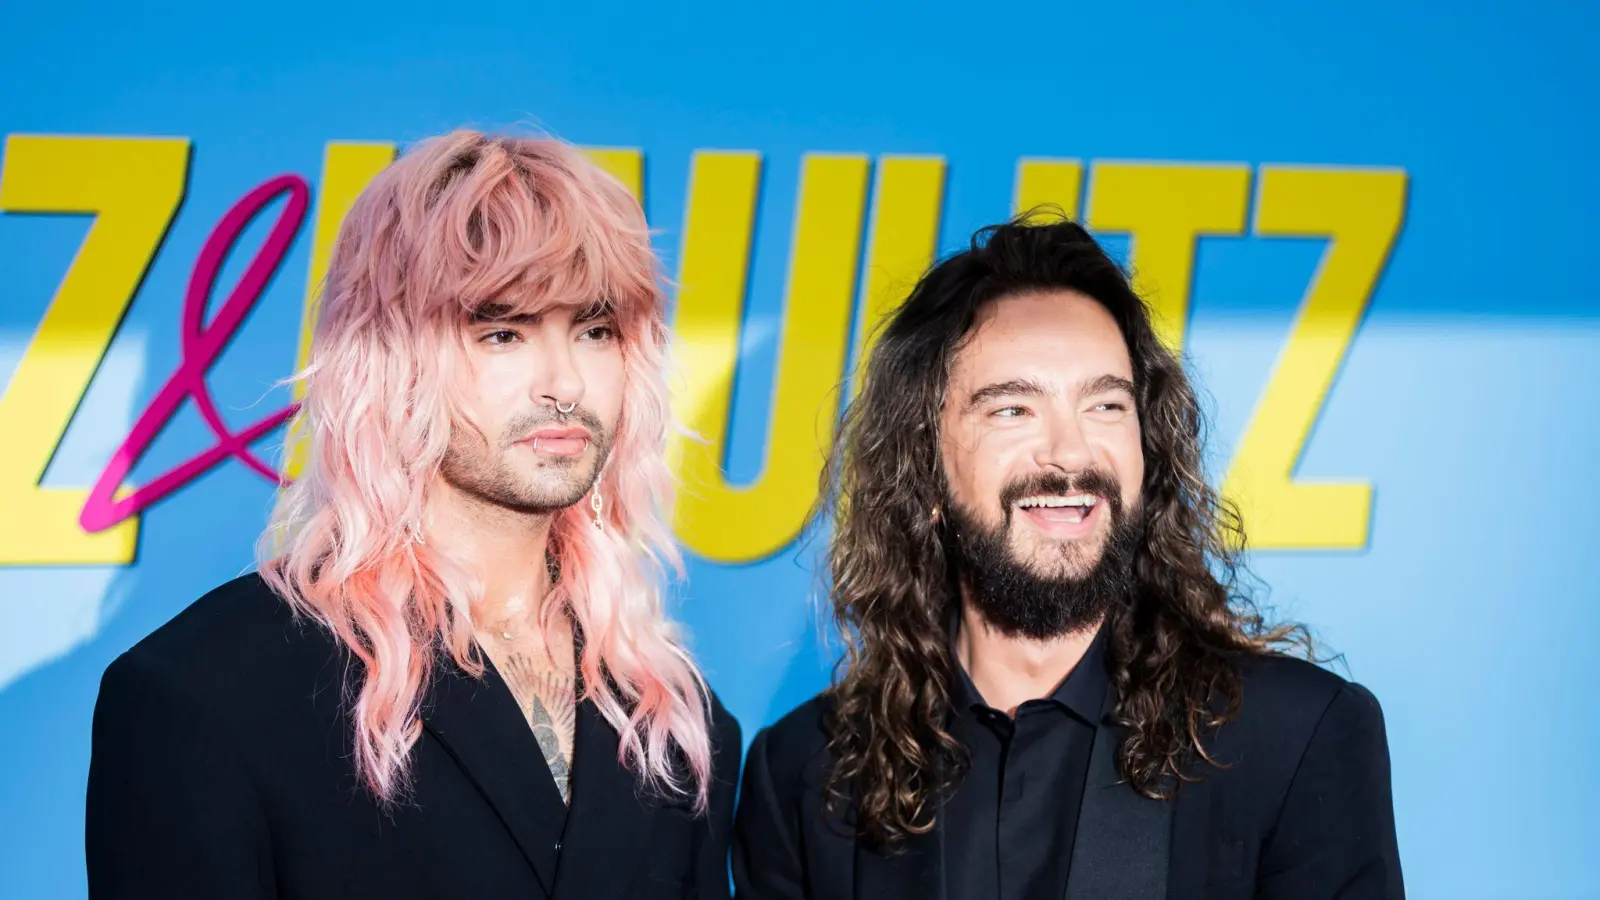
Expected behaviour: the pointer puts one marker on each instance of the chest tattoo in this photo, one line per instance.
(549, 704)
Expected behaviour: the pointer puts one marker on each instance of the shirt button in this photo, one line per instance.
(558, 846)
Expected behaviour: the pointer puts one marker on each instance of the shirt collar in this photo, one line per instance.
(1082, 692)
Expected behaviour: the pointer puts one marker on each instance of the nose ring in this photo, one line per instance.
(567, 410)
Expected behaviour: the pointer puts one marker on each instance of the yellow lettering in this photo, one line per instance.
(1166, 207)
(132, 186)
(1360, 211)
(1048, 182)
(719, 521)
(907, 199)
(347, 168)
(625, 164)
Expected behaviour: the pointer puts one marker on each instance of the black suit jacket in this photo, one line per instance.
(222, 768)
(1302, 813)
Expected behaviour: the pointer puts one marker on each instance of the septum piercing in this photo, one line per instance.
(567, 410)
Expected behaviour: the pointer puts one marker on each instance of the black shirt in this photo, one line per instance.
(1010, 824)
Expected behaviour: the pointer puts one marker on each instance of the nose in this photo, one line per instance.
(1066, 446)
(560, 382)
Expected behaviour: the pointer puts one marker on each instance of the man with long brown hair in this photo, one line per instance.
(1053, 685)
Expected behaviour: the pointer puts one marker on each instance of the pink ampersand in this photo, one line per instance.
(201, 344)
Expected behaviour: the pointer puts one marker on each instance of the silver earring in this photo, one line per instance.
(414, 531)
(595, 503)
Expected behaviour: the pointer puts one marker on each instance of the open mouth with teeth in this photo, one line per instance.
(1069, 513)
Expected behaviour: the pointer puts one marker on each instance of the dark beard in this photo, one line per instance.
(1020, 602)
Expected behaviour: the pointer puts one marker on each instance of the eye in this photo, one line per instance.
(601, 333)
(1010, 412)
(500, 337)
(1111, 408)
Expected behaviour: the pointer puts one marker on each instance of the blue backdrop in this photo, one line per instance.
(1446, 148)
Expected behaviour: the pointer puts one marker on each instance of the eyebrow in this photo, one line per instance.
(505, 313)
(1016, 387)
(598, 309)
(1028, 387)
(1107, 384)
(500, 312)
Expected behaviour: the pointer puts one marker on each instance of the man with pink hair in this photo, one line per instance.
(452, 673)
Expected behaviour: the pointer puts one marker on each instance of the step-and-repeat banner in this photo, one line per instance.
(1371, 230)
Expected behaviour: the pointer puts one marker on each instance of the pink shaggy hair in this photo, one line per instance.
(459, 221)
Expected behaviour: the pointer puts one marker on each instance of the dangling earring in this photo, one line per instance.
(414, 531)
(595, 503)
(933, 516)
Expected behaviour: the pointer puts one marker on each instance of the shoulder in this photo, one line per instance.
(1277, 688)
(1312, 700)
(1277, 683)
(238, 627)
(727, 739)
(794, 751)
(236, 645)
(1286, 703)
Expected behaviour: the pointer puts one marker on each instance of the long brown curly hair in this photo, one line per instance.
(1171, 645)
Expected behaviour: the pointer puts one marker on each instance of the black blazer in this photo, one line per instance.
(222, 768)
(1302, 813)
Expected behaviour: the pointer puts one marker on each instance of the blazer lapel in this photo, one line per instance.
(1123, 839)
(479, 724)
(915, 871)
(608, 827)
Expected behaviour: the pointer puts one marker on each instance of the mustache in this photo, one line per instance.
(1097, 482)
(521, 425)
